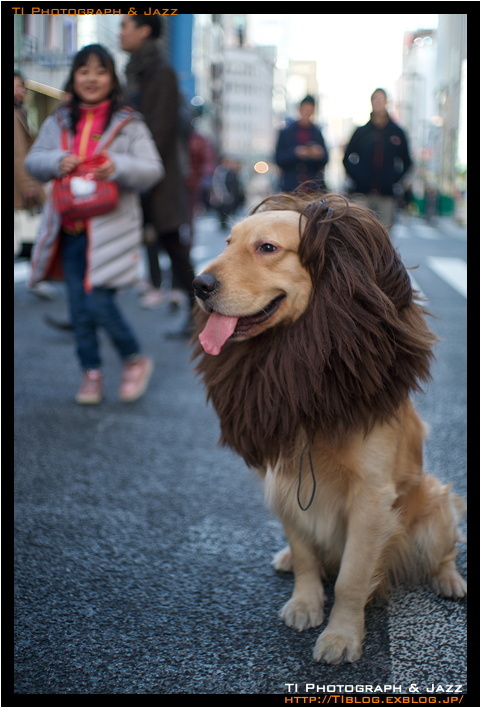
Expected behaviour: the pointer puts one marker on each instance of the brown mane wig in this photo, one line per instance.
(349, 361)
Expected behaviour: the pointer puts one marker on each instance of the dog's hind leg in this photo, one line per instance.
(305, 609)
(434, 535)
(448, 582)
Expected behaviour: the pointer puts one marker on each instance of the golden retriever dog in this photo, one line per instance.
(310, 340)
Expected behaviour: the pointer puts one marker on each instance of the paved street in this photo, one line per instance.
(143, 549)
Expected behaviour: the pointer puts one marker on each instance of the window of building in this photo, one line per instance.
(69, 39)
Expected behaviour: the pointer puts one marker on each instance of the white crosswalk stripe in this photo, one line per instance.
(453, 271)
(416, 230)
(399, 231)
(426, 231)
(21, 271)
(415, 286)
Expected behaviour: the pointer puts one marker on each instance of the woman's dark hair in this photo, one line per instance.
(107, 61)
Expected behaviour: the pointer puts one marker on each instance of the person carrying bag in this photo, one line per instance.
(91, 243)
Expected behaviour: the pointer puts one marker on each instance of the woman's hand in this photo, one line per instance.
(69, 163)
(105, 170)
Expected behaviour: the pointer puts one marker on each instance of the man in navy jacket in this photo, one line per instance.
(301, 153)
(376, 159)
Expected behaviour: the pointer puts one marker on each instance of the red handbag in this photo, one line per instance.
(79, 195)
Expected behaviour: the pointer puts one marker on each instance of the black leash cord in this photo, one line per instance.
(305, 508)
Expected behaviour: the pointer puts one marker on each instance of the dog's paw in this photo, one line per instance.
(337, 647)
(283, 560)
(449, 583)
(303, 614)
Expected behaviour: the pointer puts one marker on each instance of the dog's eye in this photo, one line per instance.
(267, 248)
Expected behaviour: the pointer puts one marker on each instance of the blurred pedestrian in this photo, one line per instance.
(28, 194)
(227, 192)
(96, 256)
(376, 159)
(301, 153)
(152, 88)
(200, 170)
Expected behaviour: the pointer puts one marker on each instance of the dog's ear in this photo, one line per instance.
(316, 220)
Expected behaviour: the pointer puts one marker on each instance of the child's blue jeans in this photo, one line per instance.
(94, 309)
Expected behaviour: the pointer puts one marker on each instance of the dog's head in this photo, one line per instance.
(256, 283)
(288, 248)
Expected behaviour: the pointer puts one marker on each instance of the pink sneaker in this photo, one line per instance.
(135, 378)
(91, 388)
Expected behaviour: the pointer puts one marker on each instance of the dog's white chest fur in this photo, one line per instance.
(323, 522)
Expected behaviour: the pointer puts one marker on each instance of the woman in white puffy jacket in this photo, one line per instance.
(96, 256)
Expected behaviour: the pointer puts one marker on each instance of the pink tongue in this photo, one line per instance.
(216, 332)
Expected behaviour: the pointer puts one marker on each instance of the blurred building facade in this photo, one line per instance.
(451, 100)
(235, 87)
(43, 49)
(432, 109)
(301, 79)
(417, 110)
(247, 124)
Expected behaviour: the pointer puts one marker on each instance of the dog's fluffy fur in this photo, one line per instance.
(312, 389)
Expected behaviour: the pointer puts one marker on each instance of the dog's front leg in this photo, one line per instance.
(371, 525)
(305, 609)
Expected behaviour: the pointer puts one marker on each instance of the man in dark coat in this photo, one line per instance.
(376, 159)
(301, 152)
(152, 89)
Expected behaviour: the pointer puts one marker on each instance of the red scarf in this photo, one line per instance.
(88, 132)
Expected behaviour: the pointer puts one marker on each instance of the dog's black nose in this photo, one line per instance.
(204, 285)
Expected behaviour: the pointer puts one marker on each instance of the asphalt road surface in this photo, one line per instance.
(142, 549)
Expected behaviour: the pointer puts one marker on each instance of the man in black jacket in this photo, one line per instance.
(376, 159)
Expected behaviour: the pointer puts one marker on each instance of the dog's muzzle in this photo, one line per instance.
(205, 285)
